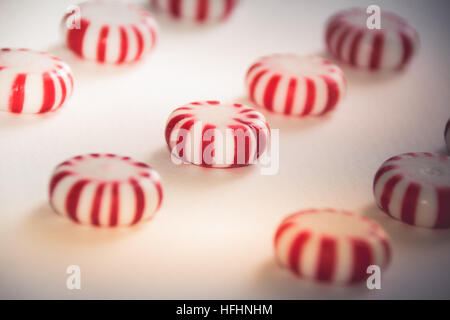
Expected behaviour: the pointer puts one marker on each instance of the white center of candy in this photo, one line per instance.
(298, 65)
(426, 170)
(335, 224)
(26, 61)
(218, 115)
(105, 169)
(109, 13)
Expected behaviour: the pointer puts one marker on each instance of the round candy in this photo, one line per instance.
(105, 190)
(32, 81)
(198, 11)
(331, 246)
(415, 188)
(110, 32)
(447, 134)
(349, 39)
(212, 134)
(295, 85)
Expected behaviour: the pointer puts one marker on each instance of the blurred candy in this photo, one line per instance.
(110, 32)
(198, 11)
(212, 134)
(350, 40)
(331, 246)
(415, 188)
(32, 81)
(105, 190)
(295, 85)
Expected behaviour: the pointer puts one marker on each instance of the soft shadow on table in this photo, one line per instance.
(443, 151)
(406, 235)
(362, 77)
(279, 283)
(45, 229)
(11, 120)
(283, 122)
(90, 69)
(196, 177)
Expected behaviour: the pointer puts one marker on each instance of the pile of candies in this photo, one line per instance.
(108, 190)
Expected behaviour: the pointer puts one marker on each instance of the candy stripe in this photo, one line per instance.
(229, 6)
(327, 259)
(410, 203)
(56, 179)
(407, 49)
(296, 250)
(114, 211)
(388, 190)
(73, 198)
(377, 50)
(62, 84)
(49, 93)
(96, 205)
(101, 45)
(255, 83)
(443, 215)
(182, 138)
(140, 201)
(362, 256)
(207, 142)
(310, 97)
(172, 123)
(202, 10)
(123, 45)
(140, 42)
(290, 96)
(269, 93)
(75, 37)
(333, 94)
(17, 93)
(175, 8)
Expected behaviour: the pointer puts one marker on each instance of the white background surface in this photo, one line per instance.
(212, 237)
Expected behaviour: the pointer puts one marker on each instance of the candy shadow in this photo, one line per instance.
(45, 229)
(405, 235)
(444, 151)
(91, 69)
(13, 120)
(188, 176)
(275, 282)
(283, 122)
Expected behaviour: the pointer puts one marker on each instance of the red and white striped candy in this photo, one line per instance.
(350, 40)
(295, 85)
(32, 81)
(105, 190)
(331, 246)
(212, 134)
(198, 11)
(415, 188)
(110, 32)
(447, 135)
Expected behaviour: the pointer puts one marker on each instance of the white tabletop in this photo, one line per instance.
(212, 237)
